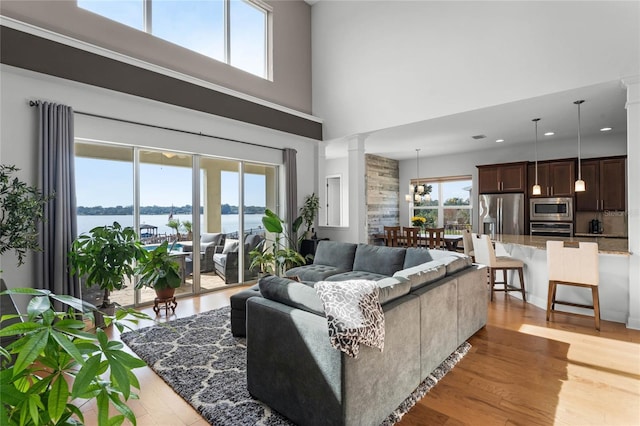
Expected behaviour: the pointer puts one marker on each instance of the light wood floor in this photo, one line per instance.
(521, 370)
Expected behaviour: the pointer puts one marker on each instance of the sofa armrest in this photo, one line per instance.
(325, 386)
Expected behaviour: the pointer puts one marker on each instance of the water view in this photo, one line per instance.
(229, 221)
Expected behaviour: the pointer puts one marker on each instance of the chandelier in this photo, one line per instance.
(418, 192)
(536, 188)
(579, 185)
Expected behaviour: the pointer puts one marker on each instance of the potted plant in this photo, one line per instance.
(175, 225)
(187, 226)
(276, 256)
(418, 221)
(22, 211)
(309, 211)
(104, 257)
(159, 271)
(50, 349)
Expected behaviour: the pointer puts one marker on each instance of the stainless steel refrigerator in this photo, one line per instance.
(501, 214)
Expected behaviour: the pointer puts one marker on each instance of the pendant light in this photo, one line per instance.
(536, 188)
(417, 191)
(579, 185)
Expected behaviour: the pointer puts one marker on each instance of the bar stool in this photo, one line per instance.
(485, 254)
(391, 234)
(410, 236)
(468, 243)
(573, 266)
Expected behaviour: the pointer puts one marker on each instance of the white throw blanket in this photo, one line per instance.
(354, 314)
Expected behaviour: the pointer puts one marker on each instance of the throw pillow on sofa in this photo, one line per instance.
(230, 246)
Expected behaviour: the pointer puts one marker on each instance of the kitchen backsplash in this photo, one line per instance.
(613, 222)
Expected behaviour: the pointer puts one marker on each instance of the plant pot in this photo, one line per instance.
(165, 293)
(101, 312)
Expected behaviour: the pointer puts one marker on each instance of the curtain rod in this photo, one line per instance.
(122, 120)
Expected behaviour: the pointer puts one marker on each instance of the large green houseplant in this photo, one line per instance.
(21, 212)
(104, 257)
(54, 361)
(309, 212)
(275, 256)
(158, 270)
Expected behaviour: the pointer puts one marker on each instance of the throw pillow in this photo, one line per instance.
(230, 246)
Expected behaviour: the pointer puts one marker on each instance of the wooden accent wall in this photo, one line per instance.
(383, 193)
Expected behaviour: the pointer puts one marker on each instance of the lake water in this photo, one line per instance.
(229, 222)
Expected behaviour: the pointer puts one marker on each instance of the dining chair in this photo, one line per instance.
(391, 235)
(410, 236)
(486, 255)
(435, 237)
(468, 243)
(573, 266)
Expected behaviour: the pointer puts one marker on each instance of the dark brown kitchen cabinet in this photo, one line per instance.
(556, 178)
(497, 178)
(604, 183)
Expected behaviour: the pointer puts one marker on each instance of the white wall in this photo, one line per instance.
(378, 64)
(18, 137)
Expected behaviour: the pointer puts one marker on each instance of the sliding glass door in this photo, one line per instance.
(116, 183)
(104, 195)
(165, 198)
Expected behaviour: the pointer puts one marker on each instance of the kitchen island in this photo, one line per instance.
(606, 244)
(614, 273)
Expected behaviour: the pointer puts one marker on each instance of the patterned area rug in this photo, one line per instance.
(200, 359)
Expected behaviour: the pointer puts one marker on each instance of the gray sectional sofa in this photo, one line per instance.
(432, 301)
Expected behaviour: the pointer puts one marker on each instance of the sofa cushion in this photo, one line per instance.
(314, 272)
(453, 261)
(291, 293)
(392, 288)
(378, 259)
(230, 246)
(211, 237)
(220, 259)
(423, 274)
(356, 275)
(251, 241)
(335, 253)
(417, 256)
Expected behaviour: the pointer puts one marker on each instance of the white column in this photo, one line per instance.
(357, 189)
(633, 208)
(321, 155)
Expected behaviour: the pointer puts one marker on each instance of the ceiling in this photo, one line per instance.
(604, 106)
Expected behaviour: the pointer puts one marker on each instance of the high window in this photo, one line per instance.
(230, 31)
(449, 204)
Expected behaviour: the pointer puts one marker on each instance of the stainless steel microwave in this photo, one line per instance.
(551, 209)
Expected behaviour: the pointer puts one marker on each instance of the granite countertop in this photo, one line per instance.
(605, 244)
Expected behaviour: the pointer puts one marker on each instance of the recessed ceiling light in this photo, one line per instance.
(605, 129)
(549, 134)
(499, 140)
